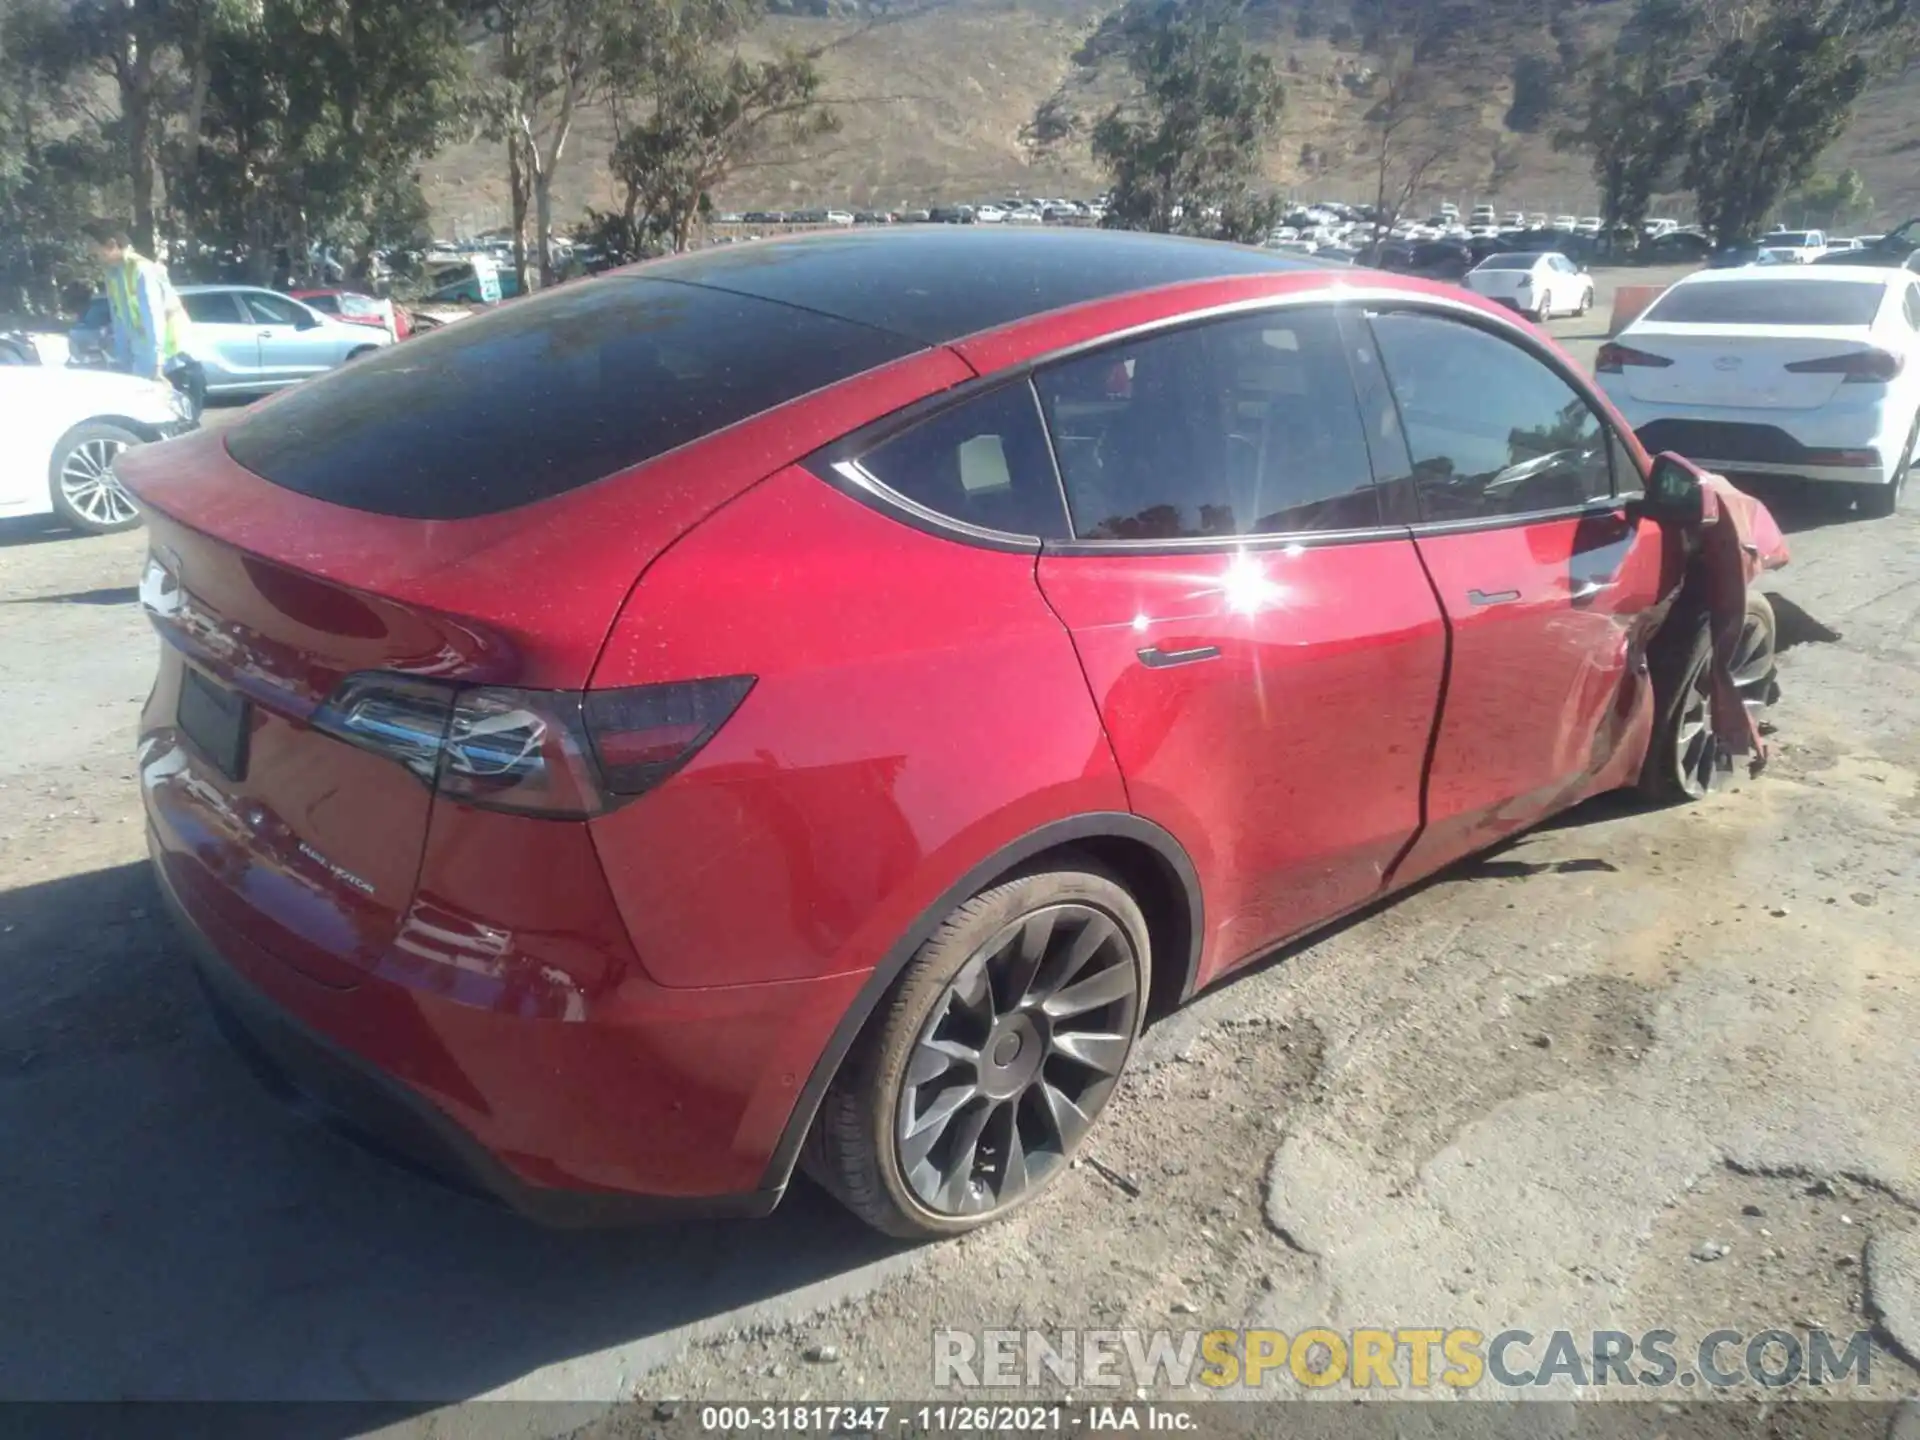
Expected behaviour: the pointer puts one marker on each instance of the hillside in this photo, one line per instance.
(932, 106)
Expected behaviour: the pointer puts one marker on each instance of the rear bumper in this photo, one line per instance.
(1825, 474)
(300, 1063)
(1832, 445)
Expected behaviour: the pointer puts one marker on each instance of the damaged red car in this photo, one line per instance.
(808, 704)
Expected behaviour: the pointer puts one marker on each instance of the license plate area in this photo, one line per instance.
(215, 721)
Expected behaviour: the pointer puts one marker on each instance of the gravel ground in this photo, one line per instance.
(1541, 1092)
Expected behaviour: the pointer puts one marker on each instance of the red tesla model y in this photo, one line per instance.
(808, 703)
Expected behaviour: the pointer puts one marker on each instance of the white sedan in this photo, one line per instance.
(1803, 372)
(62, 430)
(1539, 284)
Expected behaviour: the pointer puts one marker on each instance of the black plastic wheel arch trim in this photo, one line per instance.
(1100, 825)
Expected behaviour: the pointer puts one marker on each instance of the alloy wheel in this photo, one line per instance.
(1694, 746)
(87, 481)
(1753, 663)
(1016, 1059)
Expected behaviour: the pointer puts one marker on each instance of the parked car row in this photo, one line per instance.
(1016, 210)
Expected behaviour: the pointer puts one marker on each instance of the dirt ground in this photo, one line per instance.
(1540, 1093)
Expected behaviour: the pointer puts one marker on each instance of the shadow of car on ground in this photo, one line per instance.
(175, 1233)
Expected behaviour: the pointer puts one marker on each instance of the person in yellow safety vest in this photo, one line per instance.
(150, 325)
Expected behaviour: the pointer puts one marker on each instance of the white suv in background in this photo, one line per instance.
(1794, 247)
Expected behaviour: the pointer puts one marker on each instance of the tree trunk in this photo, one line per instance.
(185, 192)
(543, 223)
(139, 115)
(517, 188)
(546, 164)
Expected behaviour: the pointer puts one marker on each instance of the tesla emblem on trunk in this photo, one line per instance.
(1727, 362)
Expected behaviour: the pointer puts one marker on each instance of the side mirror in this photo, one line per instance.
(1673, 492)
(307, 321)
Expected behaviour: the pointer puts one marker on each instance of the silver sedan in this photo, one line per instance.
(250, 340)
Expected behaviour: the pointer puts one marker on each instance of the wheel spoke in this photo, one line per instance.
(1105, 1053)
(1013, 1172)
(1067, 1120)
(1098, 990)
(973, 989)
(957, 1193)
(934, 1056)
(1754, 659)
(933, 1120)
(1025, 958)
(1070, 961)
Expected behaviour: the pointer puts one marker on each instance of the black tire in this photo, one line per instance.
(102, 509)
(1678, 767)
(1877, 502)
(353, 355)
(855, 1148)
(1586, 301)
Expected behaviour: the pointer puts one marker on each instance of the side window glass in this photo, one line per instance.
(1244, 427)
(1627, 479)
(212, 307)
(272, 310)
(1913, 306)
(1493, 431)
(983, 462)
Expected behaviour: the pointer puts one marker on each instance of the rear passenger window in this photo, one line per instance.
(546, 394)
(983, 462)
(1243, 427)
(1493, 431)
(271, 309)
(213, 307)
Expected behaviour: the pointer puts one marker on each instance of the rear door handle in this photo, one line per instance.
(1154, 658)
(1492, 597)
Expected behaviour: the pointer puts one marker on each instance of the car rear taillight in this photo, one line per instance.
(551, 753)
(1614, 359)
(1860, 367)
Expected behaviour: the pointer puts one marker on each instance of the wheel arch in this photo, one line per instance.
(1146, 858)
(147, 431)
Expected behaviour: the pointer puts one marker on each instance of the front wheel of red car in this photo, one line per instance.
(991, 1057)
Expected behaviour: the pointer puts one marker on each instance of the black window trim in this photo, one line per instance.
(837, 463)
(1617, 449)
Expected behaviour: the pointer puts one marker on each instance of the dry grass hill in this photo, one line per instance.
(933, 104)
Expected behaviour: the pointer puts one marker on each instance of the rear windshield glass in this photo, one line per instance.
(1508, 262)
(546, 394)
(1786, 237)
(1771, 302)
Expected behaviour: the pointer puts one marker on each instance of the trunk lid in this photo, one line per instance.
(301, 843)
(1739, 367)
(1501, 284)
